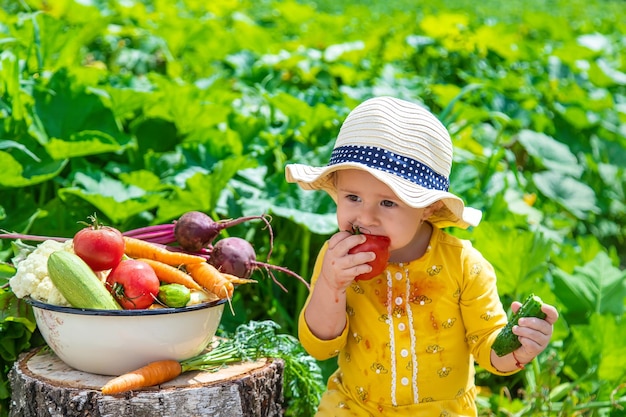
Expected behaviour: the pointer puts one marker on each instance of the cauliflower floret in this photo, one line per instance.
(31, 278)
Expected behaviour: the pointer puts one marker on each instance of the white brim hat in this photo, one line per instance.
(401, 144)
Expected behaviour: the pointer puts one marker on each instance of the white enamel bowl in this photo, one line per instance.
(113, 342)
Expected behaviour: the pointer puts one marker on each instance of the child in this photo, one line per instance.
(406, 340)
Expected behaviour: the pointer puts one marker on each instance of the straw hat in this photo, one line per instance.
(401, 144)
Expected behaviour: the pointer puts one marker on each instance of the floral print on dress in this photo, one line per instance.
(398, 312)
(476, 269)
(434, 349)
(343, 405)
(447, 324)
(379, 368)
(487, 315)
(420, 299)
(357, 288)
(361, 393)
(434, 270)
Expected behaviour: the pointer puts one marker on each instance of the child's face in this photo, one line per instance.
(365, 201)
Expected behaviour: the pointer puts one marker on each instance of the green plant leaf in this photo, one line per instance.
(601, 342)
(554, 155)
(66, 108)
(82, 143)
(519, 274)
(16, 175)
(571, 194)
(595, 287)
(115, 199)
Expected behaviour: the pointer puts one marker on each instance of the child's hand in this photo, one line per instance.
(340, 268)
(534, 333)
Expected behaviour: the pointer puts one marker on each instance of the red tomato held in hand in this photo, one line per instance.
(101, 247)
(133, 284)
(380, 246)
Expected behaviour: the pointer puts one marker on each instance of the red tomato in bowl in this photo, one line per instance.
(380, 246)
(133, 284)
(101, 247)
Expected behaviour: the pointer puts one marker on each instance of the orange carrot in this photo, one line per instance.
(171, 275)
(137, 248)
(238, 281)
(154, 373)
(211, 279)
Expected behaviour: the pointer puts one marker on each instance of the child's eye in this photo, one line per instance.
(353, 197)
(387, 203)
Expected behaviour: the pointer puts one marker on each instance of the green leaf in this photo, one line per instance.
(116, 200)
(91, 142)
(8, 144)
(518, 257)
(6, 271)
(596, 287)
(16, 310)
(202, 190)
(16, 175)
(66, 109)
(601, 342)
(554, 155)
(574, 196)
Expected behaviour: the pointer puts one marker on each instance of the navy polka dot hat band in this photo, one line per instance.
(401, 144)
(384, 160)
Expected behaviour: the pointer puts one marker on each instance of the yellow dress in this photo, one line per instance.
(413, 335)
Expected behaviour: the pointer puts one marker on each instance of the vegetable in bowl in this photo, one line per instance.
(32, 278)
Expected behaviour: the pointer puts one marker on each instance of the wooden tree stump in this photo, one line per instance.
(44, 386)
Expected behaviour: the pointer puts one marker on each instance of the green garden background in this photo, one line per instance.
(142, 110)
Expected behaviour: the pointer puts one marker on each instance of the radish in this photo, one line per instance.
(236, 256)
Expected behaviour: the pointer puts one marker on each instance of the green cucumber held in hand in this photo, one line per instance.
(507, 342)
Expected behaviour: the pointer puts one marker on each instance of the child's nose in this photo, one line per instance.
(366, 218)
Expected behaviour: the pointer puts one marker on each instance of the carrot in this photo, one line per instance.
(238, 281)
(211, 279)
(154, 373)
(171, 275)
(137, 248)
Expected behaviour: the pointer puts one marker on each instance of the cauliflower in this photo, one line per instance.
(31, 278)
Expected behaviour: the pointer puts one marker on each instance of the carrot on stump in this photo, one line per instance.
(211, 279)
(152, 374)
(137, 248)
(171, 275)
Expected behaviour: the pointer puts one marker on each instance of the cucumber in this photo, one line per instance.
(506, 342)
(174, 295)
(77, 282)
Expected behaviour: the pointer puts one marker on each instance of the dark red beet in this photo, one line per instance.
(236, 256)
(195, 230)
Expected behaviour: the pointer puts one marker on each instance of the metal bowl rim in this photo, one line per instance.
(118, 313)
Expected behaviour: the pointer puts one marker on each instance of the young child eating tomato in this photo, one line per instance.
(406, 339)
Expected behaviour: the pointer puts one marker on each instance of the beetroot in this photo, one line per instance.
(195, 230)
(236, 256)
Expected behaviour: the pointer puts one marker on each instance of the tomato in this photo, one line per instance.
(101, 247)
(133, 284)
(380, 246)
